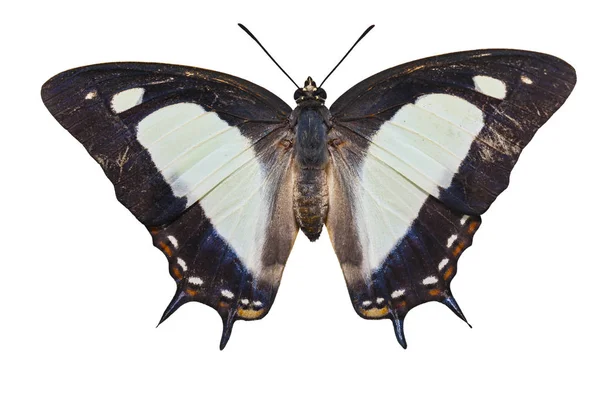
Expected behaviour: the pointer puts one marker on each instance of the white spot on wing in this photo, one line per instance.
(443, 263)
(464, 219)
(227, 293)
(380, 300)
(194, 280)
(173, 241)
(397, 293)
(257, 303)
(451, 240)
(367, 303)
(127, 99)
(430, 280)
(490, 86)
(182, 264)
(90, 95)
(526, 80)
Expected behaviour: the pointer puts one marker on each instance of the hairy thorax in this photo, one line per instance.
(311, 197)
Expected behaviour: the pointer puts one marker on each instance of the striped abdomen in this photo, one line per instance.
(311, 201)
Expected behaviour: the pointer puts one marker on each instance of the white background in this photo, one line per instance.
(82, 287)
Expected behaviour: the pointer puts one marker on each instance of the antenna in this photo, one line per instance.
(265, 50)
(343, 58)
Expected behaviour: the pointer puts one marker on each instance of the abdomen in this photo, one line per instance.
(311, 201)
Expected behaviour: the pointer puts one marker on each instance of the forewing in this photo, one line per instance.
(456, 124)
(418, 153)
(196, 156)
(133, 118)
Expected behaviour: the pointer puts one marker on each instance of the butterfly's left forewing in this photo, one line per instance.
(418, 152)
(197, 157)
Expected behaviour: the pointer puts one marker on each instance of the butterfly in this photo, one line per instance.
(399, 169)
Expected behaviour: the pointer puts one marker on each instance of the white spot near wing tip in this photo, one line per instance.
(227, 293)
(127, 99)
(443, 263)
(451, 240)
(182, 264)
(526, 80)
(90, 95)
(173, 241)
(397, 293)
(490, 86)
(257, 303)
(194, 280)
(430, 280)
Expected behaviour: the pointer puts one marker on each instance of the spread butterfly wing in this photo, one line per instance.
(419, 151)
(195, 155)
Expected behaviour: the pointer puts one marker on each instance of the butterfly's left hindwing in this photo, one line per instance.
(418, 152)
(195, 155)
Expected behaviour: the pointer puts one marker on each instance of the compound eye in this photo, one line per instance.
(297, 94)
(321, 93)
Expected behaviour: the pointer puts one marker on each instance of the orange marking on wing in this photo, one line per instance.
(448, 273)
(154, 230)
(458, 248)
(167, 250)
(473, 226)
(191, 292)
(250, 314)
(434, 292)
(375, 312)
(176, 272)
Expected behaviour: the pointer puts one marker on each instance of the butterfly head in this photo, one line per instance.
(310, 92)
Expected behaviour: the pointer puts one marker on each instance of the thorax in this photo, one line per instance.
(311, 123)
